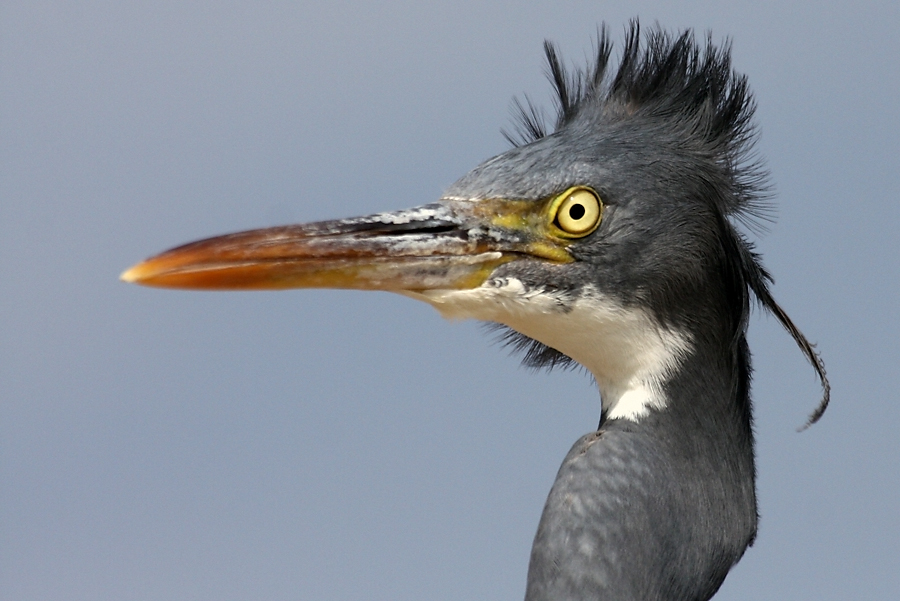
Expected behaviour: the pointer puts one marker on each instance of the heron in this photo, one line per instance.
(612, 239)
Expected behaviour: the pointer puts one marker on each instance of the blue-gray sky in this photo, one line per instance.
(341, 445)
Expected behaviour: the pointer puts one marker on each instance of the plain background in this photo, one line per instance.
(339, 445)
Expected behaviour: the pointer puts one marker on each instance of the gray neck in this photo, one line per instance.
(658, 509)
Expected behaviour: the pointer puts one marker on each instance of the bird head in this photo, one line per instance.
(608, 241)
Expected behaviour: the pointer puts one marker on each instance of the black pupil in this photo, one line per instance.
(576, 212)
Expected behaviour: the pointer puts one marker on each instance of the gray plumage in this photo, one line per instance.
(650, 291)
(661, 508)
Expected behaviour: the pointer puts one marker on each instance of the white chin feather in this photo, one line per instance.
(627, 351)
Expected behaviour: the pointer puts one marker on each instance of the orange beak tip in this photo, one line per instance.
(142, 273)
(131, 275)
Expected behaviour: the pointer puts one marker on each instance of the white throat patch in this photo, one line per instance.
(629, 354)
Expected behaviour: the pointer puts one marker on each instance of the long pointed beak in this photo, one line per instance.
(448, 245)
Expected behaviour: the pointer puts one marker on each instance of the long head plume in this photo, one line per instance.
(692, 87)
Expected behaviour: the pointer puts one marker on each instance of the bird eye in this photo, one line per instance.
(579, 212)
